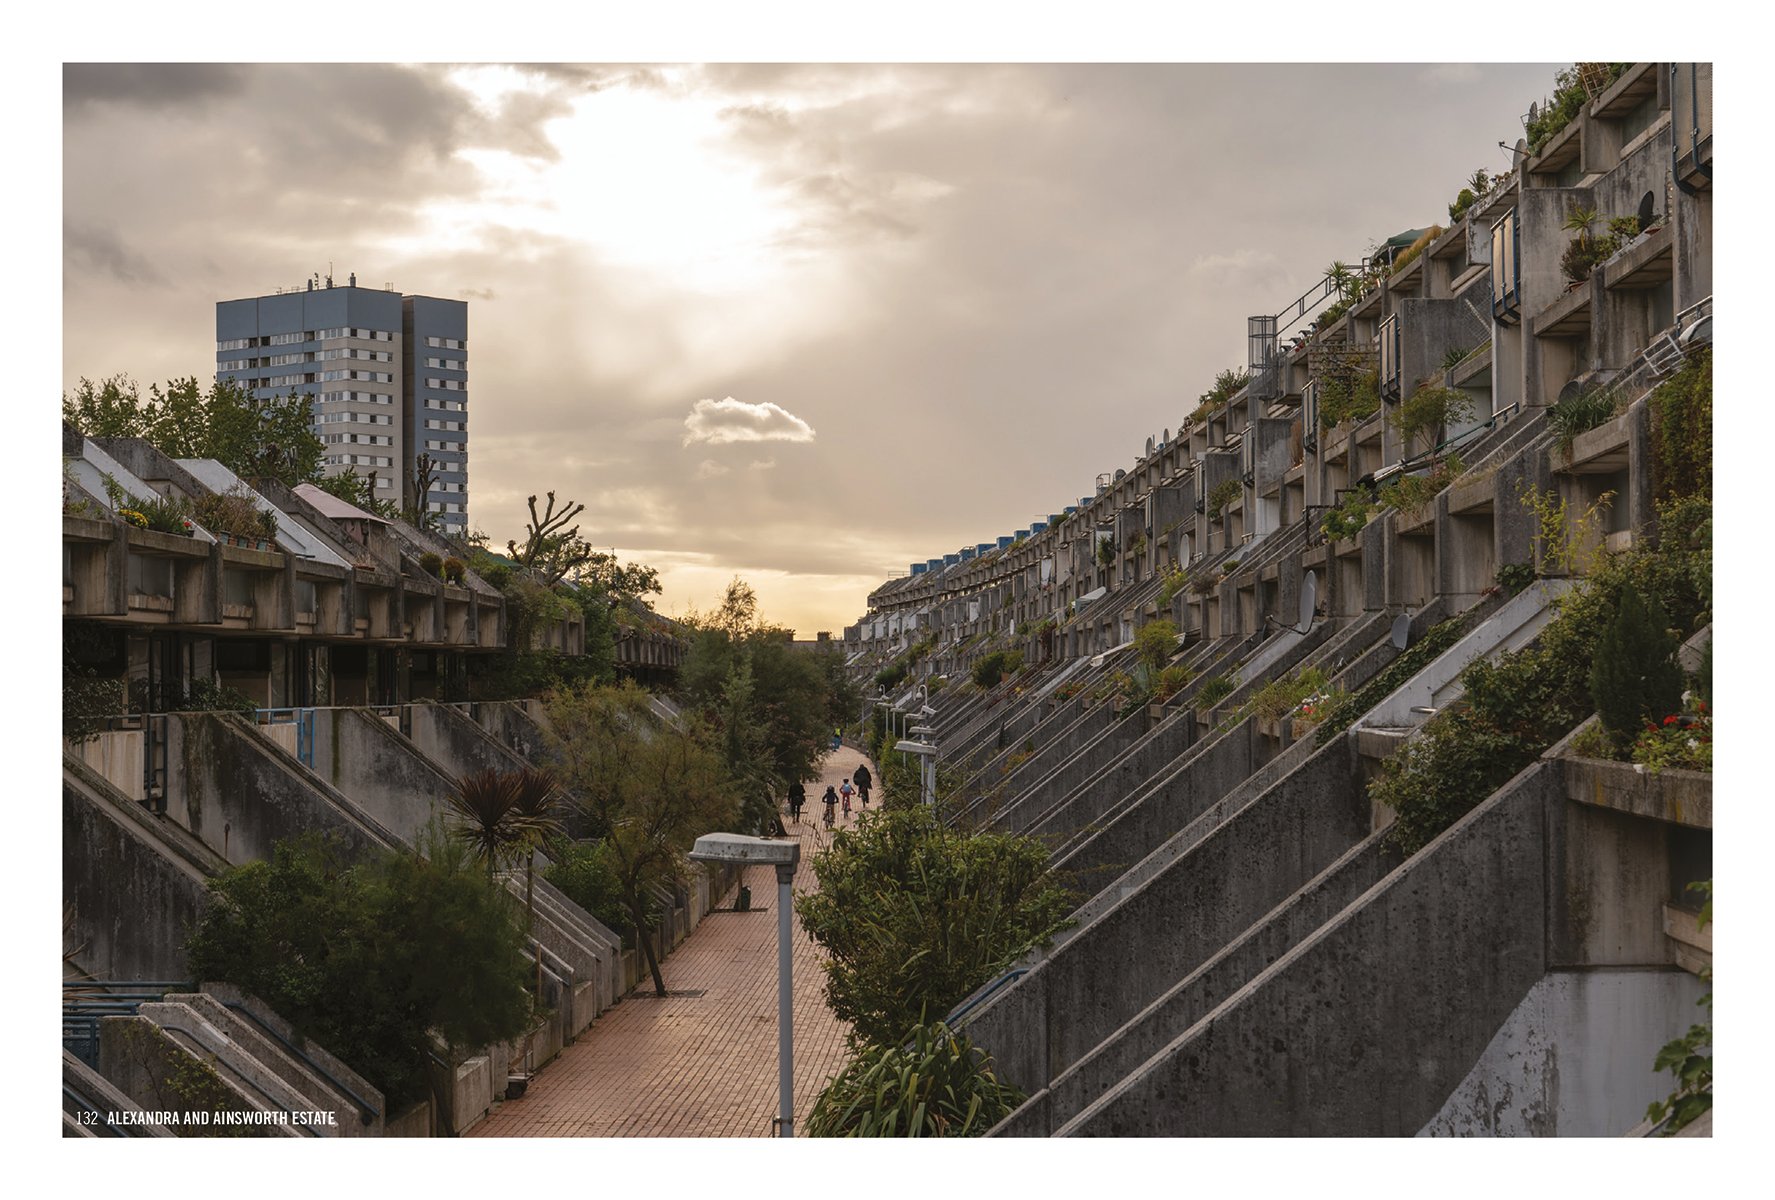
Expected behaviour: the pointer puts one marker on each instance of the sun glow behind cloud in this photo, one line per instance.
(643, 175)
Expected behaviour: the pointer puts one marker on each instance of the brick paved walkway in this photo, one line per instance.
(699, 1066)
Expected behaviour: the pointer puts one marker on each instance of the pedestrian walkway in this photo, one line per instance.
(701, 1062)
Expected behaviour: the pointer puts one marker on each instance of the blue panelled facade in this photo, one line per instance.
(387, 375)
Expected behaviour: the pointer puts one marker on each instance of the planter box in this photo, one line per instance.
(1680, 797)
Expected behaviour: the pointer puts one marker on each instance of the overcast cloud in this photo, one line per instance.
(981, 286)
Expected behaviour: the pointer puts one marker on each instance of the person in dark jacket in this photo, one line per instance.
(830, 800)
(797, 798)
(864, 782)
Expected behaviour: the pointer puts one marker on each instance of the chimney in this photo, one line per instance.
(354, 279)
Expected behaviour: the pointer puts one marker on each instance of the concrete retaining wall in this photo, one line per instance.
(1575, 1058)
(1148, 941)
(1370, 1024)
(133, 894)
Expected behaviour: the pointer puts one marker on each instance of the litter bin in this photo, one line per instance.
(743, 902)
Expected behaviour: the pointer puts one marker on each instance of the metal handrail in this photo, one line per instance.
(978, 998)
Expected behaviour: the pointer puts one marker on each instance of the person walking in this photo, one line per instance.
(797, 798)
(837, 737)
(864, 781)
(845, 792)
(830, 800)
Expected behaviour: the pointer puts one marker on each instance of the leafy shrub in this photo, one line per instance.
(1280, 697)
(915, 915)
(1349, 517)
(1410, 493)
(1408, 255)
(1682, 431)
(937, 1085)
(1513, 577)
(1155, 642)
(1577, 414)
(454, 568)
(1173, 583)
(1171, 680)
(1221, 495)
(1226, 385)
(232, 512)
(431, 564)
(371, 959)
(1428, 410)
(1348, 397)
(585, 872)
(995, 667)
(1516, 707)
(1213, 691)
(889, 677)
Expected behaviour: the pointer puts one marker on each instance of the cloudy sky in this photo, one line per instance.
(803, 324)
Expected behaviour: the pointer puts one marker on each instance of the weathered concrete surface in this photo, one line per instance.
(133, 883)
(1370, 1024)
(513, 727)
(456, 744)
(1203, 990)
(1256, 858)
(157, 1073)
(357, 1107)
(102, 1097)
(1575, 1058)
(241, 795)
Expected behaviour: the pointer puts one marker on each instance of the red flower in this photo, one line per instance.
(1670, 720)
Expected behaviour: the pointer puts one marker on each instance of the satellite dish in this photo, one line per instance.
(1532, 111)
(1149, 445)
(1646, 210)
(1519, 153)
(1401, 630)
(1120, 473)
(1568, 391)
(1167, 435)
(1309, 606)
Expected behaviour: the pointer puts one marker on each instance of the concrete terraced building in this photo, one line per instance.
(387, 374)
(1251, 957)
(356, 660)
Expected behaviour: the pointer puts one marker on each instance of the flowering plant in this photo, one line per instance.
(133, 517)
(1683, 740)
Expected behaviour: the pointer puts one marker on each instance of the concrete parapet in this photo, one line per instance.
(1257, 857)
(1366, 1027)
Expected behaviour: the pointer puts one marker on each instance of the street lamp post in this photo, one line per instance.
(784, 855)
(927, 759)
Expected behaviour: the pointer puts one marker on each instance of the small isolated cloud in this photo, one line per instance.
(762, 464)
(719, 422)
(709, 469)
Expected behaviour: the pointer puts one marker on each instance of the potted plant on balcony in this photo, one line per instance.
(233, 518)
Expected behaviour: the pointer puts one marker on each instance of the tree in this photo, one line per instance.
(256, 439)
(552, 548)
(1155, 642)
(915, 915)
(419, 514)
(1634, 676)
(359, 491)
(648, 790)
(769, 703)
(371, 960)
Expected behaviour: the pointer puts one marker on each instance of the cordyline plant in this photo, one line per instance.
(937, 1085)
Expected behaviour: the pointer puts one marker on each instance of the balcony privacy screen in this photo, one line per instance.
(1506, 299)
